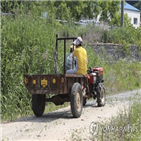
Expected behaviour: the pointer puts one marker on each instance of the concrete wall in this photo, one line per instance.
(116, 51)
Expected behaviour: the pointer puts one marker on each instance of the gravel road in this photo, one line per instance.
(60, 125)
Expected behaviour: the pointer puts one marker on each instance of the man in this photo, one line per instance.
(69, 60)
(81, 58)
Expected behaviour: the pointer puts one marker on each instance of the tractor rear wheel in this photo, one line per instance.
(76, 100)
(38, 104)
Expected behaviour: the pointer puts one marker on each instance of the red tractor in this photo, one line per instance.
(73, 88)
(96, 85)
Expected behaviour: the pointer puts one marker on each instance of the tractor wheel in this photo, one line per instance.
(101, 96)
(38, 104)
(76, 100)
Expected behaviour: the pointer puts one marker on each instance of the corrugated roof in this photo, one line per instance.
(130, 7)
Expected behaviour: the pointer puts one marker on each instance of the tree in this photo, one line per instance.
(7, 6)
(116, 20)
(89, 9)
(84, 8)
(66, 10)
(63, 12)
(108, 9)
(49, 6)
(138, 5)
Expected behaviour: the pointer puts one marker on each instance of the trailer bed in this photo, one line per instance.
(52, 83)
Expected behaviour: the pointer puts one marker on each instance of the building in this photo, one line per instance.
(133, 13)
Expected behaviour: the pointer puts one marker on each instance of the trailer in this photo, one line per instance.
(73, 88)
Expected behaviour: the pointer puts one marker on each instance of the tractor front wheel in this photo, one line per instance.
(101, 96)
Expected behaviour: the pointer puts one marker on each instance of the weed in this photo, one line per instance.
(27, 47)
(126, 126)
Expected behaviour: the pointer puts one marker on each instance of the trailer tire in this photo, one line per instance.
(38, 104)
(76, 100)
(101, 97)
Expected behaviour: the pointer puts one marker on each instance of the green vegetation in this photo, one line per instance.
(118, 76)
(64, 10)
(27, 47)
(27, 43)
(22, 7)
(138, 5)
(126, 126)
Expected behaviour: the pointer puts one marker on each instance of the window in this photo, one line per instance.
(135, 21)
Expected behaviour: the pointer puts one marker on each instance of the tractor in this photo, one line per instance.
(73, 88)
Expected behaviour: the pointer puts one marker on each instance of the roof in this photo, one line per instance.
(130, 7)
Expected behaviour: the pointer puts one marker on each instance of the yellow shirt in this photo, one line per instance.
(81, 56)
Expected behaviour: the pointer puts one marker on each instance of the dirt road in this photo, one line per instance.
(59, 125)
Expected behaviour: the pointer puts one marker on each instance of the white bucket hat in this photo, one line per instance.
(78, 41)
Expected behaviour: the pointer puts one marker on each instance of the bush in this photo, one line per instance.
(27, 47)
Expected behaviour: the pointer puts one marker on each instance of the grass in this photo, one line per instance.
(27, 47)
(118, 76)
(122, 76)
(126, 126)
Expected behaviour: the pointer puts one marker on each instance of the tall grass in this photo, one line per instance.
(28, 44)
(118, 76)
(27, 47)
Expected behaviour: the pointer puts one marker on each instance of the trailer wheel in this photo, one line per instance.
(38, 104)
(101, 97)
(76, 100)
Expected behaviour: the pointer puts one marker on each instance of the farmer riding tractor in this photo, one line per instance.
(73, 88)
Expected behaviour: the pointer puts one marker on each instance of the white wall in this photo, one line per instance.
(132, 15)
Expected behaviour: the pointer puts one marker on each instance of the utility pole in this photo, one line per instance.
(122, 13)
